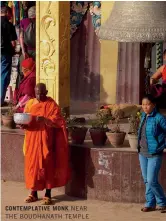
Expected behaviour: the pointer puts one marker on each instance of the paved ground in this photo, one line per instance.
(14, 193)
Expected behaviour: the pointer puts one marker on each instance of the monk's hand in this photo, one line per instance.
(40, 119)
(24, 127)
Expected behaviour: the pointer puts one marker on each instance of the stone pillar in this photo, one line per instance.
(128, 77)
(108, 61)
(131, 73)
(53, 48)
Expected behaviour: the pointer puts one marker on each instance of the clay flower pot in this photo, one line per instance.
(116, 139)
(77, 134)
(98, 136)
(133, 140)
(8, 121)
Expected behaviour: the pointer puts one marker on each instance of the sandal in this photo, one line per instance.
(148, 209)
(162, 209)
(31, 199)
(46, 201)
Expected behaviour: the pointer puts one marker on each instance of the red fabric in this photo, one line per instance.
(21, 109)
(164, 74)
(28, 63)
(158, 89)
(46, 147)
(159, 92)
(24, 24)
(27, 86)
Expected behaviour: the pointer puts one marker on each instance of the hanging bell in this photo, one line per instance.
(135, 21)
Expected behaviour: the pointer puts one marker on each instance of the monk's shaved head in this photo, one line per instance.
(41, 86)
(41, 92)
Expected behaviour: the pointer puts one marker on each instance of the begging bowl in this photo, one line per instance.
(22, 118)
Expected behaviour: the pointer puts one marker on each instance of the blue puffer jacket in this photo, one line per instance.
(155, 132)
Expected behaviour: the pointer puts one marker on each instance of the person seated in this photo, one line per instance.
(26, 88)
(159, 90)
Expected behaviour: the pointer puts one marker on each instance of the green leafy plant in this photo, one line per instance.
(101, 121)
(10, 111)
(72, 123)
(134, 122)
(116, 125)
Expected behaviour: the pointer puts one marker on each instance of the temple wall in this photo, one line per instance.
(103, 173)
(108, 62)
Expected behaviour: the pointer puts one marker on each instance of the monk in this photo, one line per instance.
(159, 90)
(26, 89)
(45, 147)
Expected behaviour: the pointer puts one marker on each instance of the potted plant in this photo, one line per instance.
(75, 128)
(77, 132)
(99, 129)
(8, 117)
(133, 130)
(115, 135)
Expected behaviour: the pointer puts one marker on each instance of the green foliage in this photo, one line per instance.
(134, 122)
(101, 120)
(116, 127)
(72, 123)
(10, 111)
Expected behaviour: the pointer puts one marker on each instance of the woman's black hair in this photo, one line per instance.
(150, 98)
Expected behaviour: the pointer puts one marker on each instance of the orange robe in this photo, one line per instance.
(46, 147)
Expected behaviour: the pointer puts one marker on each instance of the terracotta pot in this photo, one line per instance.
(98, 136)
(8, 121)
(77, 135)
(133, 141)
(116, 139)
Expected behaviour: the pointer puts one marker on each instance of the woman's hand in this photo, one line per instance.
(153, 81)
(25, 55)
(15, 108)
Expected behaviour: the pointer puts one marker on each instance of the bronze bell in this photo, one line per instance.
(135, 21)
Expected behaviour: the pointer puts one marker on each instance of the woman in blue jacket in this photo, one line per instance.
(151, 143)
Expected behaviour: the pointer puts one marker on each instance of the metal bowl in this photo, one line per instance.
(22, 118)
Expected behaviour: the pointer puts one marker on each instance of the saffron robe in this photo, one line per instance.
(46, 147)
